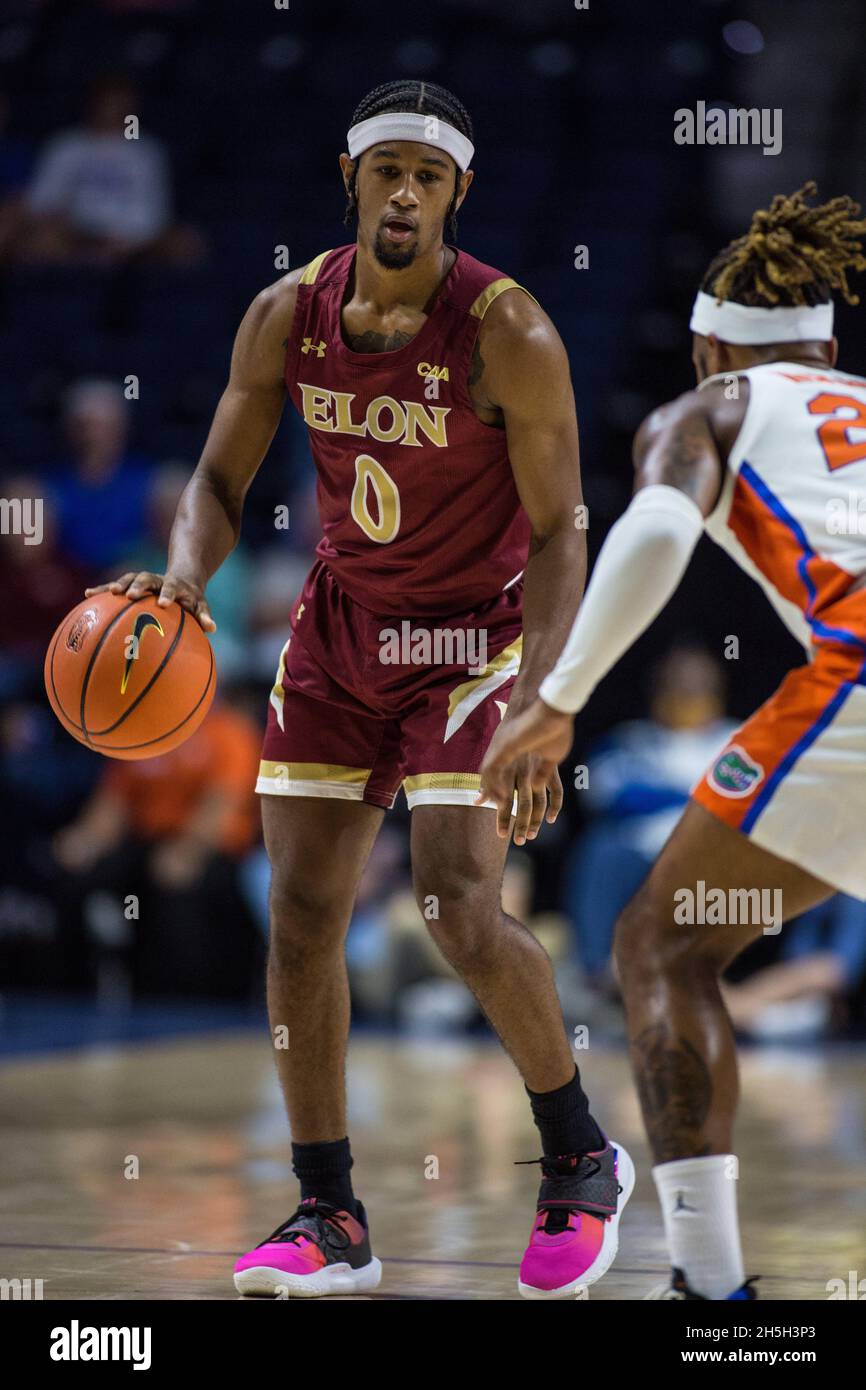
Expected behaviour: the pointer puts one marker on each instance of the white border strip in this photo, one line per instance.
(336, 791)
(451, 796)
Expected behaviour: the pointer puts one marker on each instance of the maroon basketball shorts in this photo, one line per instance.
(363, 703)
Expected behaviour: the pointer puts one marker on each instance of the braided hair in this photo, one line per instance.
(792, 254)
(411, 94)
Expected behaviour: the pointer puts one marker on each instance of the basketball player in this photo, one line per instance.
(442, 424)
(764, 456)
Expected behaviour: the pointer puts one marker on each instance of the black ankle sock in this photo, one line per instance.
(324, 1172)
(564, 1121)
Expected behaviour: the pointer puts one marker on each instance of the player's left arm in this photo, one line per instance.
(522, 368)
(678, 471)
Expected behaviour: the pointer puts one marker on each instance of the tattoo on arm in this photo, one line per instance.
(487, 413)
(681, 457)
(675, 1090)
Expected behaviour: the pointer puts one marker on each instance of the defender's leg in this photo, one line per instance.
(681, 1039)
(680, 1036)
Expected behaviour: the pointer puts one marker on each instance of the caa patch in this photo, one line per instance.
(735, 773)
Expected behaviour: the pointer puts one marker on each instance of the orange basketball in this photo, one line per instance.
(129, 679)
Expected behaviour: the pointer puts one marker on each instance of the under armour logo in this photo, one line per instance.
(681, 1205)
(317, 348)
(502, 706)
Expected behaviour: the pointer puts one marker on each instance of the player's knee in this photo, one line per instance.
(450, 895)
(635, 937)
(648, 943)
(461, 913)
(306, 918)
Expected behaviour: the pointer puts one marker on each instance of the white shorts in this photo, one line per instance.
(793, 777)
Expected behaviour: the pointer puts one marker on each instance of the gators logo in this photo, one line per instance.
(133, 642)
(734, 773)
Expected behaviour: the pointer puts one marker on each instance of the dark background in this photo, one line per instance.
(574, 116)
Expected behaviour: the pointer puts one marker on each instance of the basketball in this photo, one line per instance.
(129, 679)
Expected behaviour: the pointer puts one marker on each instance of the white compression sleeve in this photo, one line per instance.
(639, 566)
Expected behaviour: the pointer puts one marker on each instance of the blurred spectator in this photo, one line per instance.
(99, 197)
(16, 153)
(172, 831)
(805, 993)
(44, 776)
(640, 777)
(16, 161)
(39, 585)
(101, 492)
(278, 579)
(229, 589)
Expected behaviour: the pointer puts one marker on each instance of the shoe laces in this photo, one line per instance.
(556, 1218)
(320, 1223)
(549, 1170)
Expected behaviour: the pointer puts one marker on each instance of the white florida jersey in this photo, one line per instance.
(792, 510)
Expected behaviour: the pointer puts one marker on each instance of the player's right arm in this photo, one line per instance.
(684, 445)
(207, 525)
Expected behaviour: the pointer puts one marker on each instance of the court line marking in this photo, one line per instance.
(386, 1259)
(233, 1254)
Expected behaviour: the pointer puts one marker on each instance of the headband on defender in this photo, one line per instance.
(749, 324)
(411, 125)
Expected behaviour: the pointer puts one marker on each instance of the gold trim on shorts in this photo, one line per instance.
(468, 695)
(312, 779)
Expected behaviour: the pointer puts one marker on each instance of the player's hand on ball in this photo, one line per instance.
(170, 587)
(523, 756)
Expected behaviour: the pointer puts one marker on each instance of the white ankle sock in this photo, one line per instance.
(699, 1205)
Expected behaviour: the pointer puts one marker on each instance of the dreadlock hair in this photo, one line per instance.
(792, 254)
(410, 94)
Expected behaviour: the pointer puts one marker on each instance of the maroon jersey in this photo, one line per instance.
(416, 496)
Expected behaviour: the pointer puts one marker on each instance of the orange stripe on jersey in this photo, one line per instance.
(778, 546)
(741, 780)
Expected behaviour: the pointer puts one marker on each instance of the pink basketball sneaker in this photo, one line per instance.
(320, 1250)
(575, 1236)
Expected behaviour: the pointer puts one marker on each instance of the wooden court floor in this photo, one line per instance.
(202, 1124)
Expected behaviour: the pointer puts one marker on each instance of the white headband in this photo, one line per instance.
(745, 323)
(411, 125)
